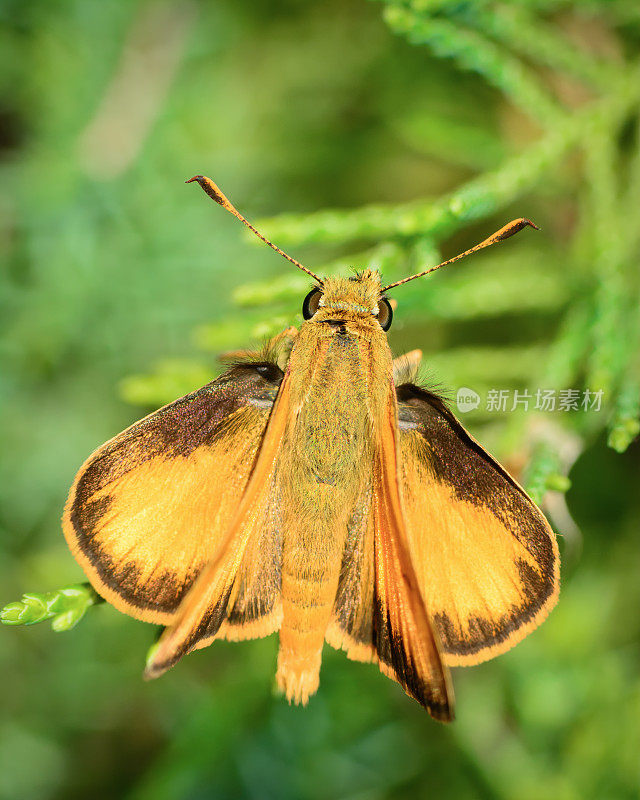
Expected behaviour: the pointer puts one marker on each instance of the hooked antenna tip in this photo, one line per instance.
(212, 190)
(515, 226)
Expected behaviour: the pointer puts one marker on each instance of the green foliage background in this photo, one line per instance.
(425, 125)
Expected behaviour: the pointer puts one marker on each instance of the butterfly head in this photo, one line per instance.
(357, 299)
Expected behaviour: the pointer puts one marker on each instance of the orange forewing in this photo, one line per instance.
(209, 601)
(485, 560)
(485, 556)
(148, 509)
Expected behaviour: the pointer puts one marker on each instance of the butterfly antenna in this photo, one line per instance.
(215, 194)
(504, 233)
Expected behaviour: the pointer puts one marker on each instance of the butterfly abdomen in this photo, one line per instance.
(310, 576)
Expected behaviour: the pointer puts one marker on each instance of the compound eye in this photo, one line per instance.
(385, 313)
(311, 303)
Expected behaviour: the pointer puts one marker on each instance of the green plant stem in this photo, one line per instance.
(65, 607)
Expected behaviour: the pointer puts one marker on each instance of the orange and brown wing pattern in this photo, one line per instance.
(407, 645)
(486, 559)
(147, 510)
(380, 613)
(215, 592)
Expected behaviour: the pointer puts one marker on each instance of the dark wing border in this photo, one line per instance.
(173, 431)
(427, 413)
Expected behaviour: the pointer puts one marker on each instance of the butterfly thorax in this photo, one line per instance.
(341, 371)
